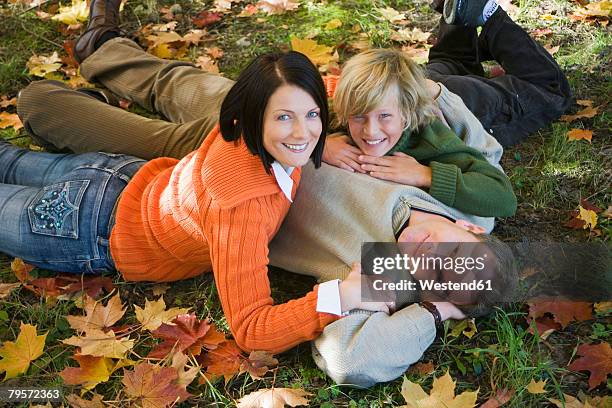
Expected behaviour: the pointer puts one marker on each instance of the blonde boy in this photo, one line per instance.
(387, 104)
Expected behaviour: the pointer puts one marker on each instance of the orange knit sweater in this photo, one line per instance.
(216, 209)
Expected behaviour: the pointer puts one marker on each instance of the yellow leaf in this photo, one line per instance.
(99, 344)
(41, 65)
(603, 307)
(155, 313)
(17, 355)
(587, 112)
(584, 102)
(547, 17)
(10, 120)
(536, 387)
(465, 326)
(578, 134)
(588, 216)
(318, 54)
(408, 35)
(73, 14)
(333, 24)
(442, 395)
(207, 64)
(97, 317)
(91, 371)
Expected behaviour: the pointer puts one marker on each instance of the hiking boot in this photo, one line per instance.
(464, 12)
(103, 19)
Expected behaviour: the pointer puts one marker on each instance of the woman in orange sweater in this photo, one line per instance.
(164, 220)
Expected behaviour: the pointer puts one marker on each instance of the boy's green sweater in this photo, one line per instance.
(461, 177)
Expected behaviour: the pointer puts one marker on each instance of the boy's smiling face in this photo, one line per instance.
(377, 131)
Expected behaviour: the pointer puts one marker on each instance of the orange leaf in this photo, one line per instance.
(587, 112)
(596, 358)
(584, 102)
(499, 399)
(578, 134)
(205, 18)
(7, 288)
(153, 387)
(5, 102)
(564, 312)
(223, 361)
(186, 333)
(544, 326)
(91, 371)
(422, 369)
(10, 120)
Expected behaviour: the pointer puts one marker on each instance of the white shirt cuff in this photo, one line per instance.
(328, 298)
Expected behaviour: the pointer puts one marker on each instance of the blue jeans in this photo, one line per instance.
(56, 209)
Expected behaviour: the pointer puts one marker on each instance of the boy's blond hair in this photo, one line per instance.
(368, 76)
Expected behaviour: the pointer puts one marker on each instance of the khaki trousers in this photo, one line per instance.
(187, 97)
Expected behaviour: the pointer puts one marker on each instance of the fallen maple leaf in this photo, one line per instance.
(223, 6)
(186, 374)
(223, 361)
(333, 24)
(541, 32)
(21, 270)
(442, 394)
(587, 112)
(258, 363)
(603, 307)
(205, 18)
(7, 288)
(10, 120)
(552, 50)
(194, 37)
(100, 344)
(77, 402)
(584, 102)
(274, 398)
(214, 52)
(41, 65)
(155, 313)
(465, 326)
(536, 387)
(151, 386)
(64, 285)
(419, 53)
(18, 355)
(596, 358)
(578, 134)
(586, 204)
(319, 54)
(499, 399)
(563, 311)
(272, 7)
(76, 13)
(5, 102)
(97, 316)
(588, 216)
(248, 10)
(570, 402)
(91, 371)
(206, 63)
(186, 333)
(543, 325)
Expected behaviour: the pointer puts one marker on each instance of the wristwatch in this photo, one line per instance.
(431, 308)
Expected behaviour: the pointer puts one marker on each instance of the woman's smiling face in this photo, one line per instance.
(377, 131)
(292, 126)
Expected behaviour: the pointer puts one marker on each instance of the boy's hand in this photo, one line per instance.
(400, 168)
(350, 294)
(338, 152)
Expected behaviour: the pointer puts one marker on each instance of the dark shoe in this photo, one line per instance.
(464, 12)
(103, 18)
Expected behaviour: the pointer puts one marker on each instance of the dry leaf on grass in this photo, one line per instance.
(205, 18)
(319, 54)
(224, 361)
(17, 355)
(587, 112)
(564, 312)
(7, 288)
(422, 369)
(274, 398)
(76, 13)
(407, 35)
(97, 316)
(258, 363)
(91, 371)
(391, 15)
(5, 102)
(21, 270)
(186, 333)
(151, 386)
(100, 344)
(536, 387)
(579, 134)
(10, 120)
(77, 402)
(186, 373)
(499, 399)
(442, 394)
(596, 358)
(272, 7)
(155, 313)
(41, 65)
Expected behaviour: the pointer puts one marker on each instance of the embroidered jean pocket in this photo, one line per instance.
(55, 210)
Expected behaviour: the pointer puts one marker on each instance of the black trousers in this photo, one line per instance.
(533, 92)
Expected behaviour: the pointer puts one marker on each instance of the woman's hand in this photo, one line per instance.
(449, 311)
(350, 294)
(338, 152)
(400, 168)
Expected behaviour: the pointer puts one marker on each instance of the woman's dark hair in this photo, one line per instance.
(242, 110)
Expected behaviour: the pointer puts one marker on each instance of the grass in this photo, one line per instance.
(550, 176)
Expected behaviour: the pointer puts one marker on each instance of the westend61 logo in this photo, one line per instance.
(487, 271)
